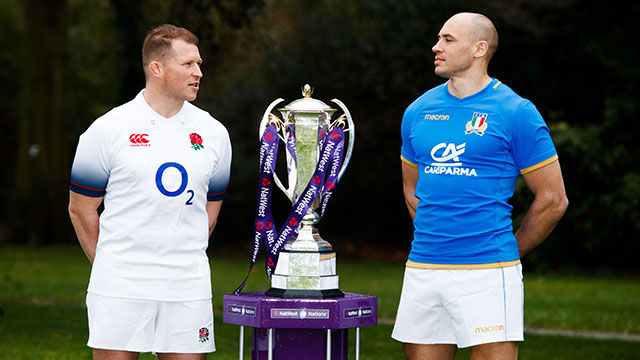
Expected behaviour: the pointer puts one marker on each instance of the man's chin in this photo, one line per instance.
(441, 73)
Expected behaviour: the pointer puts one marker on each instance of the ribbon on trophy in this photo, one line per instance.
(291, 147)
(322, 183)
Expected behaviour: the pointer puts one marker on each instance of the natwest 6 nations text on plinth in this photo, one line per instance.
(295, 328)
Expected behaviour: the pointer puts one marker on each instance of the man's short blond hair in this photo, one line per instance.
(157, 43)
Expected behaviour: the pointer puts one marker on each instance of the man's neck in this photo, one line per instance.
(160, 103)
(462, 87)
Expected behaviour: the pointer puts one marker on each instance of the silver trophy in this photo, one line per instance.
(306, 266)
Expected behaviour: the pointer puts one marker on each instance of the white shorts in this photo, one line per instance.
(150, 326)
(462, 306)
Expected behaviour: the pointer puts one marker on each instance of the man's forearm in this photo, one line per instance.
(412, 204)
(87, 229)
(541, 218)
(83, 211)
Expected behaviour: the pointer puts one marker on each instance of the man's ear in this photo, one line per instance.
(482, 48)
(155, 69)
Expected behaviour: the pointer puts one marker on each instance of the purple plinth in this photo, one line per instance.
(300, 324)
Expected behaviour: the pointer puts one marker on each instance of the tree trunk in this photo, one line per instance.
(40, 197)
(130, 33)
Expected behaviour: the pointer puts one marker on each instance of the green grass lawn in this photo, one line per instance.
(43, 316)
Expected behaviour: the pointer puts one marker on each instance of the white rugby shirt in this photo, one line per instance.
(156, 176)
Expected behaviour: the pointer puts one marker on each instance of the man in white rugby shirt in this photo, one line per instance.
(161, 166)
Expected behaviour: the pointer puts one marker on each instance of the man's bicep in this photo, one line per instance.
(213, 208)
(546, 178)
(409, 175)
(409, 183)
(83, 203)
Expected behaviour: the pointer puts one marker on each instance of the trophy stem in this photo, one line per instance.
(309, 238)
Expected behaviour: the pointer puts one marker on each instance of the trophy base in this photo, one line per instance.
(305, 274)
(304, 294)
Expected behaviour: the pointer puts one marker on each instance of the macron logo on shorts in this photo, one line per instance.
(139, 140)
(485, 329)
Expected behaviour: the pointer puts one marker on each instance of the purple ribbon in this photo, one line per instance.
(291, 146)
(264, 228)
(330, 160)
(332, 178)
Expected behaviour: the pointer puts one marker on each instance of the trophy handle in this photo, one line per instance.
(263, 125)
(351, 130)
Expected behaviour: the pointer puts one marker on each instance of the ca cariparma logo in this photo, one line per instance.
(477, 125)
(447, 154)
(447, 161)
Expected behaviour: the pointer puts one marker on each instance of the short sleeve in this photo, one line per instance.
(531, 142)
(221, 171)
(90, 169)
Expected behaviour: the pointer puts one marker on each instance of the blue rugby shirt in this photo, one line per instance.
(469, 153)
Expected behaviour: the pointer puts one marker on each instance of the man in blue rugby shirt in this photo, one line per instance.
(465, 142)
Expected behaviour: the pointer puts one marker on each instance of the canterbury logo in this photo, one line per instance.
(138, 139)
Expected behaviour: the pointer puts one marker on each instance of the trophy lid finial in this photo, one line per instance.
(307, 90)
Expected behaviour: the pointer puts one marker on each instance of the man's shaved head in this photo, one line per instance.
(480, 28)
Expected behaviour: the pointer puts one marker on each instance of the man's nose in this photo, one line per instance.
(197, 72)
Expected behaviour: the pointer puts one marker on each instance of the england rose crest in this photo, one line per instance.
(196, 141)
(204, 334)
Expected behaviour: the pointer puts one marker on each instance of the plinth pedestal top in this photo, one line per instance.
(259, 311)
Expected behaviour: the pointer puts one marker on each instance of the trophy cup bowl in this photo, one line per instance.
(306, 266)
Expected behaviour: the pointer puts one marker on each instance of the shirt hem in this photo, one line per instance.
(493, 265)
(149, 298)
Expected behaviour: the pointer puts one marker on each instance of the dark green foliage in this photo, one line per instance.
(576, 60)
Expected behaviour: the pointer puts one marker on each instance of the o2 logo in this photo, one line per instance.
(183, 183)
